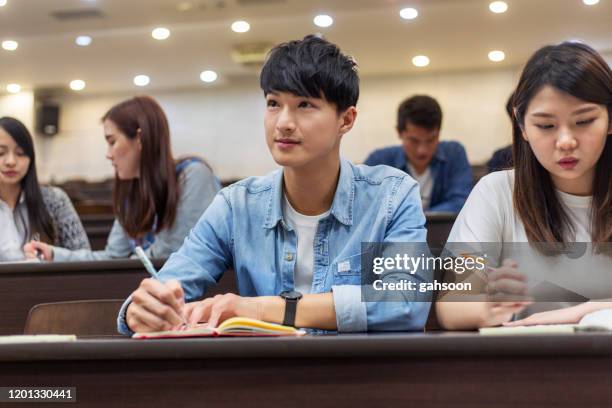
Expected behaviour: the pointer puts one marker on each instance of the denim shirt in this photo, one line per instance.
(453, 179)
(244, 229)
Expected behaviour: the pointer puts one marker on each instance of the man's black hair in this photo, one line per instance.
(419, 110)
(312, 67)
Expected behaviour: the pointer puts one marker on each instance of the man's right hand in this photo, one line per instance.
(156, 306)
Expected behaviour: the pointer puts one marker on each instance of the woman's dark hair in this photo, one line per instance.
(578, 70)
(310, 68)
(39, 219)
(149, 202)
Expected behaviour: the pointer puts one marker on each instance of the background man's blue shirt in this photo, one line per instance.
(244, 229)
(451, 171)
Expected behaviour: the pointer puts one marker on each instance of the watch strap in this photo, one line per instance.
(290, 309)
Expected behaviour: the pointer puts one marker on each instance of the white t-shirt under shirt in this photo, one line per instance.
(488, 216)
(426, 183)
(305, 227)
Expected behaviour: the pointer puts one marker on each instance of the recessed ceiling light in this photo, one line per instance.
(141, 80)
(208, 76)
(10, 45)
(323, 20)
(420, 61)
(184, 6)
(240, 26)
(409, 13)
(83, 40)
(498, 7)
(2, 3)
(160, 33)
(497, 56)
(77, 85)
(13, 88)
(590, 2)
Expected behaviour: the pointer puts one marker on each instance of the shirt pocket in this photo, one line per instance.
(347, 271)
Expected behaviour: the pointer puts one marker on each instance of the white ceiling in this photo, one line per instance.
(455, 34)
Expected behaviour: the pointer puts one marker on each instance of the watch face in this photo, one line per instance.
(291, 295)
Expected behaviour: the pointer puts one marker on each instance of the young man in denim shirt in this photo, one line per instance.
(299, 228)
(440, 167)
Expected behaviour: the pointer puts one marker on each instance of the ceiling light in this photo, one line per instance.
(497, 56)
(590, 2)
(209, 76)
(141, 80)
(498, 7)
(83, 40)
(240, 26)
(420, 61)
(77, 85)
(10, 45)
(409, 13)
(184, 6)
(2, 3)
(160, 33)
(13, 88)
(323, 20)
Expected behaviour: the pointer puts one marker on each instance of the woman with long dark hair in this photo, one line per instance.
(27, 210)
(559, 193)
(156, 198)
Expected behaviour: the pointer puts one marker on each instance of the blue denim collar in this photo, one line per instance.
(440, 154)
(342, 206)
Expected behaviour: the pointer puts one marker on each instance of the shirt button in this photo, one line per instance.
(288, 256)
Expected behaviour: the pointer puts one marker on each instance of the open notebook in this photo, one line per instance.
(599, 321)
(236, 326)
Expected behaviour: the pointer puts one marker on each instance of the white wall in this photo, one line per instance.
(19, 106)
(225, 123)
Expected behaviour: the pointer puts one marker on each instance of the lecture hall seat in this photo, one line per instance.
(80, 317)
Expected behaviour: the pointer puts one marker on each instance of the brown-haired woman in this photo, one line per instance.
(156, 199)
(560, 191)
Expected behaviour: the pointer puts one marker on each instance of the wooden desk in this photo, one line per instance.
(419, 370)
(97, 227)
(24, 285)
(98, 236)
(98, 220)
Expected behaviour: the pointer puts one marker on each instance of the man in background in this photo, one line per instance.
(441, 168)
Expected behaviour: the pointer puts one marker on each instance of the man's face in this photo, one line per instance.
(301, 131)
(419, 144)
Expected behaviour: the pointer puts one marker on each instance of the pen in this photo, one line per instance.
(39, 254)
(140, 253)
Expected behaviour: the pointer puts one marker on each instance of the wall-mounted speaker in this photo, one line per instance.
(47, 119)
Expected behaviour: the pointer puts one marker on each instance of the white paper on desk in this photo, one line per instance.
(37, 338)
(536, 329)
(598, 321)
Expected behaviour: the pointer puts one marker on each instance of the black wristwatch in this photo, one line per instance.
(291, 298)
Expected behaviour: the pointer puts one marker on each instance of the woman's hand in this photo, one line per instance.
(568, 315)
(38, 250)
(506, 293)
(219, 308)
